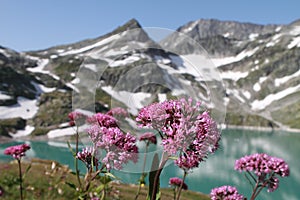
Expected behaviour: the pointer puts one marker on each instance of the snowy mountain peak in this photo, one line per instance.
(259, 65)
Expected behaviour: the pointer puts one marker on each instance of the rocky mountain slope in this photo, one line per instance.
(253, 71)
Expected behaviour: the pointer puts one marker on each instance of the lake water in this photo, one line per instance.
(217, 170)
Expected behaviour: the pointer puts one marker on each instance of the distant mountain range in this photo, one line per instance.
(259, 69)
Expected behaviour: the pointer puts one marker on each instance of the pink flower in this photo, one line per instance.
(117, 112)
(265, 167)
(225, 193)
(186, 131)
(88, 157)
(1, 191)
(17, 151)
(103, 120)
(73, 116)
(148, 136)
(175, 181)
(119, 147)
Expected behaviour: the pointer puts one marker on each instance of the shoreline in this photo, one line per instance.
(261, 128)
(67, 137)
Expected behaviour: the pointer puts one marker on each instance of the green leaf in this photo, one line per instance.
(72, 185)
(111, 175)
(27, 170)
(173, 157)
(70, 148)
(99, 188)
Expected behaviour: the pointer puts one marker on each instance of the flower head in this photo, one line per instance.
(175, 181)
(262, 164)
(225, 193)
(148, 136)
(117, 112)
(17, 151)
(186, 131)
(88, 157)
(103, 120)
(265, 167)
(73, 116)
(119, 147)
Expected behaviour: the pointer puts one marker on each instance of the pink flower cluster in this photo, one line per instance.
(119, 147)
(262, 164)
(117, 112)
(73, 116)
(225, 193)
(148, 136)
(265, 167)
(102, 120)
(175, 181)
(88, 157)
(17, 151)
(185, 130)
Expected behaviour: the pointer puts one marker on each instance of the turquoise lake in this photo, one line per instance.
(216, 171)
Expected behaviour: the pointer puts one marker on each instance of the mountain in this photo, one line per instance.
(253, 70)
(260, 66)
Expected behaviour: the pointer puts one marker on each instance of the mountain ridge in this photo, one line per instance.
(259, 66)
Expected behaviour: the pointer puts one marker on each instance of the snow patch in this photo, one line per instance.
(247, 94)
(234, 75)
(263, 79)
(41, 88)
(295, 30)
(2, 51)
(262, 104)
(133, 101)
(227, 60)
(197, 65)
(279, 81)
(226, 35)
(4, 96)
(91, 67)
(256, 87)
(162, 97)
(162, 60)
(21, 133)
(25, 108)
(70, 85)
(295, 42)
(86, 48)
(236, 94)
(278, 28)
(126, 61)
(252, 36)
(40, 68)
(64, 131)
(75, 81)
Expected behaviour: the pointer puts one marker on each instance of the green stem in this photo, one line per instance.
(20, 176)
(263, 185)
(253, 196)
(180, 188)
(76, 159)
(174, 190)
(143, 174)
(164, 160)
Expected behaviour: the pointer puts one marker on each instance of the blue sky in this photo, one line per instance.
(37, 24)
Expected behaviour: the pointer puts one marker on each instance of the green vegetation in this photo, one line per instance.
(65, 67)
(49, 180)
(288, 115)
(243, 119)
(11, 125)
(52, 104)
